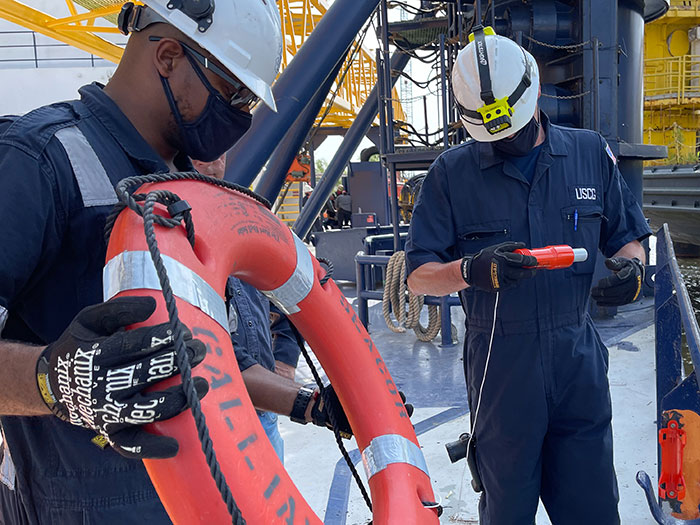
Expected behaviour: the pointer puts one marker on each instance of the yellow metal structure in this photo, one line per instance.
(88, 19)
(299, 17)
(78, 29)
(672, 83)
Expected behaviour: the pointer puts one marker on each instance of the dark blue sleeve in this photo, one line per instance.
(624, 220)
(31, 220)
(250, 334)
(284, 343)
(240, 348)
(431, 236)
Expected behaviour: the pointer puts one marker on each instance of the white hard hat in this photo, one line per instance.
(496, 84)
(244, 35)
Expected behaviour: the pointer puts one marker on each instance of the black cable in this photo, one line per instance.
(486, 13)
(329, 271)
(422, 85)
(126, 200)
(414, 131)
(147, 211)
(149, 218)
(413, 9)
(428, 59)
(331, 417)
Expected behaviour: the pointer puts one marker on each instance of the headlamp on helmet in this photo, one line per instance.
(495, 115)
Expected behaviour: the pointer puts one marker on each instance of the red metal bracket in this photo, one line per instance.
(671, 482)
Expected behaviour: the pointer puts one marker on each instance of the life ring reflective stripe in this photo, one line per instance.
(135, 270)
(235, 235)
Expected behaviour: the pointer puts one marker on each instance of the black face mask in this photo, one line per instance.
(522, 143)
(217, 128)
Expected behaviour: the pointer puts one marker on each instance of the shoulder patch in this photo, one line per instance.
(610, 153)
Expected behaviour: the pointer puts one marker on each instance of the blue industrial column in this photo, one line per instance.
(272, 179)
(352, 139)
(630, 108)
(296, 86)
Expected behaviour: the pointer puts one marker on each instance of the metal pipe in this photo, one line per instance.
(381, 104)
(296, 86)
(443, 89)
(596, 86)
(425, 114)
(388, 85)
(446, 322)
(389, 123)
(352, 139)
(362, 308)
(312, 170)
(273, 177)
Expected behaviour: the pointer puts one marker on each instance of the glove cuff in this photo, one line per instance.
(465, 268)
(44, 385)
(640, 285)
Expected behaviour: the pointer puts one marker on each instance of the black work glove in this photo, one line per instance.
(497, 268)
(623, 286)
(96, 373)
(321, 418)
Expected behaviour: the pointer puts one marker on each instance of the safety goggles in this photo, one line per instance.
(242, 98)
(495, 114)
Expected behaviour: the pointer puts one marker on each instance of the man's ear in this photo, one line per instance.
(167, 54)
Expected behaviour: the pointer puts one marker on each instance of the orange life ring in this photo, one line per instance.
(235, 235)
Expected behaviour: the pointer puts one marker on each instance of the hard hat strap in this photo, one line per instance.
(135, 18)
(482, 62)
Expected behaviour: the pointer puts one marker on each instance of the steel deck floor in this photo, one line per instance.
(432, 377)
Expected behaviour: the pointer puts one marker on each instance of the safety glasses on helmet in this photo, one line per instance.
(242, 98)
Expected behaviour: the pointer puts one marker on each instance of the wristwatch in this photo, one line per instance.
(304, 396)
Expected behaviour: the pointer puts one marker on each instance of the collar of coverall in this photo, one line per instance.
(553, 144)
(123, 131)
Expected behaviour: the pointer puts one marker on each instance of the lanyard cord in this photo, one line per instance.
(486, 368)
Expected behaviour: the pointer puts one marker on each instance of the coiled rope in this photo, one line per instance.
(406, 306)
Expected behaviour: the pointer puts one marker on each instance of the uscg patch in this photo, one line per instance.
(582, 194)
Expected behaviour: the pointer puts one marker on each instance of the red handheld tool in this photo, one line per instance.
(555, 257)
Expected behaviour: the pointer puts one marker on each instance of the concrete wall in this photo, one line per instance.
(24, 89)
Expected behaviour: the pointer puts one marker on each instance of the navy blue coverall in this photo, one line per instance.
(52, 252)
(544, 425)
(260, 334)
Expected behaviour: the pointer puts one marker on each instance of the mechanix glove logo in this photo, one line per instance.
(96, 373)
(497, 267)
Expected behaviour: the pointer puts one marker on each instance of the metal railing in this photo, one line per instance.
(365, 268)
(691, 6)
(677, 392)
(674, 315)
(28, 49)
(672, 80)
